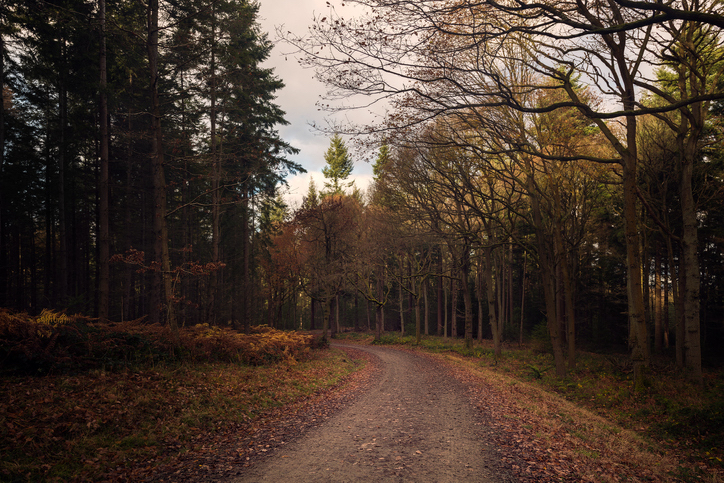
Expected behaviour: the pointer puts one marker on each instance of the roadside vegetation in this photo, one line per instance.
(670, 415)
(83, 401)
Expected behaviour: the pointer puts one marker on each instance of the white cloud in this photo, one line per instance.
(301, 92)
(299, 186)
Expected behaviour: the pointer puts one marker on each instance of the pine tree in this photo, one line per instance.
(312, 198)
(339, 167)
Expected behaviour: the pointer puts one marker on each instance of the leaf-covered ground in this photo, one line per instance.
(133, 425)
(208, 421)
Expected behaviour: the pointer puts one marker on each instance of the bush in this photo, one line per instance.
(58, 342)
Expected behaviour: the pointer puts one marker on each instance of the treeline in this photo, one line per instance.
(572, 150)
(412, 258)
(140, 158)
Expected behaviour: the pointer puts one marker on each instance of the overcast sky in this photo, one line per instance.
(298, 99)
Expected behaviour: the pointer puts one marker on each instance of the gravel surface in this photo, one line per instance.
(414, 423)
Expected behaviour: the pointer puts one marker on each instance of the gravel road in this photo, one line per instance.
(414, 423)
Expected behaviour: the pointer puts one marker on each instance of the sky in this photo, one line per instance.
(300, 95)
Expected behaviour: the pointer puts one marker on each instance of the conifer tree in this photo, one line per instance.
(339, 167)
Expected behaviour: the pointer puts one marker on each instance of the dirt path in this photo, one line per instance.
(415, 423)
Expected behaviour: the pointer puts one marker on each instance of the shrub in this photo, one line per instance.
(58, 342)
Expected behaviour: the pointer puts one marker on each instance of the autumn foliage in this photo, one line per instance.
(55, 341)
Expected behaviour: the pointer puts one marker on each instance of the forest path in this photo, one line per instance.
(414, 423)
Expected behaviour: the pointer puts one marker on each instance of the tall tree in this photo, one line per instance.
(339, 167)
(103, 186)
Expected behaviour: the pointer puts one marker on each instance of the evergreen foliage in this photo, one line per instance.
(222, 154)
(339, 167)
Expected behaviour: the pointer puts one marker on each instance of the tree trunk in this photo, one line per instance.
(402, 298)
(690, 268)
(658, 334)
(447, 311)
(331, 319)
(380, 319)
(336, 314)
(665, 302)
(638, 338)
(479, 295)
(246, 265)
(369, 321)
(312, 314)
(467, 298)
(567, 290)
(327, 312)
(103, 236)
(454, 310)
(356, 312)
(3, 244)
(62, 276)
(522, 298)
(418, 321)
(215, 181)
(159, 180)
(495, 325)
(440, 303)
(425, 285)
(545, 254)
(676, 288)
(127, 269)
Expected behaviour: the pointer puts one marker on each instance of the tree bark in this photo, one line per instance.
(62, 276)
(522, 298)
(3, 248)
(402, 298)
(160, 227)
(658, 333)
(440, 303)
(454, 309)
(547, 275)
(312, 314)
(690, 269)
(327, 313)
(380, 315)
(215, 180)
(467, 298)
(104, 236)
(246, 265)
(495, 325)
(425, 289)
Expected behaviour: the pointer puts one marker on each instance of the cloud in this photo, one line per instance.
(299, 186)
(301, 93)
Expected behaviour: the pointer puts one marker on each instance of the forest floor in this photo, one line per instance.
(372, 413)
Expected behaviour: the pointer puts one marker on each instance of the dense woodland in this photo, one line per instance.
(140, 159)
(548, 172)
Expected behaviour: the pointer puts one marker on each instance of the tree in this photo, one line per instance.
(327, 234)
(103, 185)
(89, 169)
(339, 167)
(455, 72)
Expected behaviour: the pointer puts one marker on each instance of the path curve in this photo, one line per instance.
(415, 423)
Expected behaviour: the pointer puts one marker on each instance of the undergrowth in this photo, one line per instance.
(55, 342)
(80, 399)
